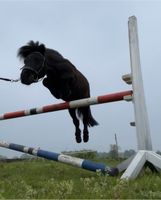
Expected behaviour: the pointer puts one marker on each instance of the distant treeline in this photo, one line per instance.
(85, 154)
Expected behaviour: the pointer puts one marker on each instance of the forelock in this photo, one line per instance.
(31, 47)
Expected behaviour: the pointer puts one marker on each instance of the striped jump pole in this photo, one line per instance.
(119, 96)
(77, 162)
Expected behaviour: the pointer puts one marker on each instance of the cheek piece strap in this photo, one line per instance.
(36, 72)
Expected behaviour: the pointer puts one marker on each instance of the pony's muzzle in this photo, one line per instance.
(27, 77)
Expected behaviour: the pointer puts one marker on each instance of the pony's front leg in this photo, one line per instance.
(65, 90)
(49, 84)
(72, 113)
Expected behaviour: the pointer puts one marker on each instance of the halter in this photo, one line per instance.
(34, 70)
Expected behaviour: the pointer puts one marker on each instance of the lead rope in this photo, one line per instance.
(11, 80)
(16, 80)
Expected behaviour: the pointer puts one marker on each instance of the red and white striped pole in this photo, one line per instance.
(119, 96)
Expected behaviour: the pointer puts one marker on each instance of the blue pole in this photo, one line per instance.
(78, 162)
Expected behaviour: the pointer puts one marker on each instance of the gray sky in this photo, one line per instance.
(93, 35)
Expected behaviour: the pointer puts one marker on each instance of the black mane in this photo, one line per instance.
(31, 47)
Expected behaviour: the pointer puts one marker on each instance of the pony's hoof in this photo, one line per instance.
(78, 139)
(85, 137)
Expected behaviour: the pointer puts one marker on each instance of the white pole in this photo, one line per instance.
(141, 116)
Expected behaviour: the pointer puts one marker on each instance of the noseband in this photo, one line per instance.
(38, 71)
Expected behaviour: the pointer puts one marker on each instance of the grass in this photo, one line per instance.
(41, 179)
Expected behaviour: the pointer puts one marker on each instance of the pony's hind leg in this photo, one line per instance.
(84, 112)
(72, 113)
(85, 131)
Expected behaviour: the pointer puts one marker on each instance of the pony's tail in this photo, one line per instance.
(87, 116)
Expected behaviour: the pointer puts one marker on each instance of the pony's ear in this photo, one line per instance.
(31, 47)
(41, 49)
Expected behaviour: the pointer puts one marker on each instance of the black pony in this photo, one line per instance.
(62, 79)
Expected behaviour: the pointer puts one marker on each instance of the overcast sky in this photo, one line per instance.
(93, 35)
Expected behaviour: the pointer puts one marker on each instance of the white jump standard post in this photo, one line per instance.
(145, 155)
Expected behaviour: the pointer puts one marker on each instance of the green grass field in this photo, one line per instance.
(41, 179)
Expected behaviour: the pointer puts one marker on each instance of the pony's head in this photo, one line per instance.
(34, 62)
